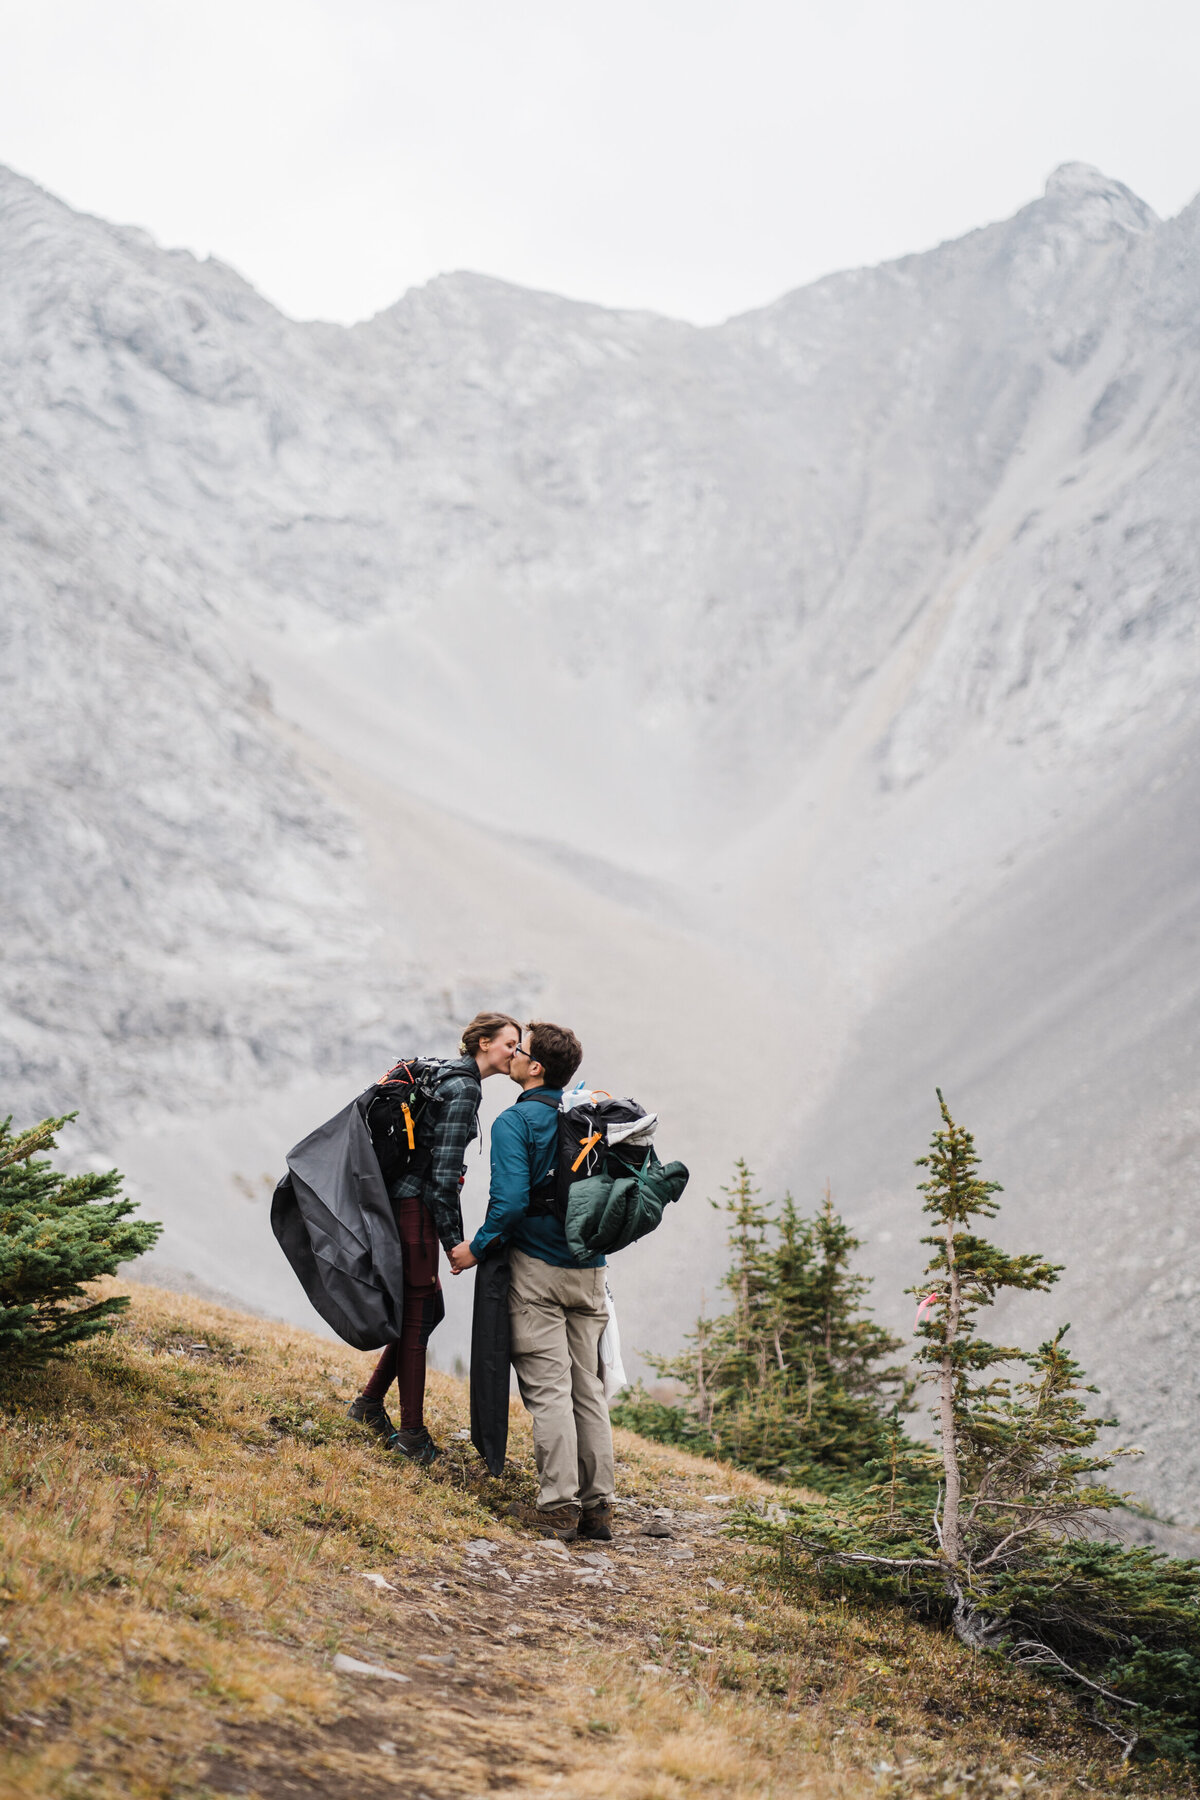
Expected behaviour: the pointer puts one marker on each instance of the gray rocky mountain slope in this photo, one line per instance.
(803, 706)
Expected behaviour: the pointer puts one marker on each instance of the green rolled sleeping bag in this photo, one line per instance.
(609, 1210)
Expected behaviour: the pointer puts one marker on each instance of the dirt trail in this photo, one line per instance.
(485, 1639)
(199, 1553)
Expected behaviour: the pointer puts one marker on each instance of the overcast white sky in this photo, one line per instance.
(694, 156)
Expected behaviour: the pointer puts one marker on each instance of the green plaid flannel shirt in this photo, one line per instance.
(445, 1128)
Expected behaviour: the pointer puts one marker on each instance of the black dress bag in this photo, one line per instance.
(335, 1224)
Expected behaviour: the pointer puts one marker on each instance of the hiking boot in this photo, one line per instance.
(371, 1413)
(561, 1522)
(596, 1522)
(415, 1443)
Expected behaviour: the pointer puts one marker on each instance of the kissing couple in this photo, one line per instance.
(557, 1308)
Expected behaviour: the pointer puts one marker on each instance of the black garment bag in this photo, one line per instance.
(335, 1224)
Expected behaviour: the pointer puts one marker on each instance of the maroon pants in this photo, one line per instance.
(424, 1308)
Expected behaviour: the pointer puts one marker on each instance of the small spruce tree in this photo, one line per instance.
(57, 1233)
(823, 1304)
(794, 1381)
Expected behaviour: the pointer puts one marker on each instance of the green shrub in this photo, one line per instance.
(662, 1423)
(1165, 1684)
(57, 1233)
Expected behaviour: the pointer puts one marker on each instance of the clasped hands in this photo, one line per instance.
(461, 1258)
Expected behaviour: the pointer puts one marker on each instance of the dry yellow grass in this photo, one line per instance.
(187, 1521)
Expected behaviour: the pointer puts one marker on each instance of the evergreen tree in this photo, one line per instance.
(57, 1233)
(788, 1382)
(732, 1352)
(823, 1307)
(1012, 1458)
(995, 1528)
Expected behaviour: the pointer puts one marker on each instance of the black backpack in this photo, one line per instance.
(584, 1149)
(393, 1110)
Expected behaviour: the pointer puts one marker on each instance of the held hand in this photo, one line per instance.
(461, 1258)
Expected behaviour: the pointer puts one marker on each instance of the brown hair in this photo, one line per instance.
(558, 1050)
(484, 1025)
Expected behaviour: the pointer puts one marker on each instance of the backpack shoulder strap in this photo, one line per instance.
(541, 1201)
(443, 1069)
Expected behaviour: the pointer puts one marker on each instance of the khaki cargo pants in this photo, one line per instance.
(557, 1318)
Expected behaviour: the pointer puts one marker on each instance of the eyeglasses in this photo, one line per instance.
(520, 1050)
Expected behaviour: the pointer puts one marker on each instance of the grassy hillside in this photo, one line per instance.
(192, 1532)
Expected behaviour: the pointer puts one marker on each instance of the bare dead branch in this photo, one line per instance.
(1030, 1653)
(824, 1553)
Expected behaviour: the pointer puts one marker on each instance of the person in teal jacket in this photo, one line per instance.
(524, 1150)
(557, 1310)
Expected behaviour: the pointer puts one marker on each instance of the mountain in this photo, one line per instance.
(801, 707)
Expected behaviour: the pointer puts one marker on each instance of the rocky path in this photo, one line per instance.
(467, 1675)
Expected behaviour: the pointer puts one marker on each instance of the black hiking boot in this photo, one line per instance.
(597, 1522)
(415, 1443)
(371, 1413)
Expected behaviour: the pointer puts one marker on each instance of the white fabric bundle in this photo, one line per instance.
(612, 1369)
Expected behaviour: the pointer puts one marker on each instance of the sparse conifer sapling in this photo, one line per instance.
(999, 1528)
(1013, 1458)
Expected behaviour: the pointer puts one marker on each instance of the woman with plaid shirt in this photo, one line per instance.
(428, 1207)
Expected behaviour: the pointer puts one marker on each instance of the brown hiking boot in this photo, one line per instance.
(597, 1522)
(561, 1522)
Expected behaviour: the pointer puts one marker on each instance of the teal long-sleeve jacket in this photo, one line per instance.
(524, 1147)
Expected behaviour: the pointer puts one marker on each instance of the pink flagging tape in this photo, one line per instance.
(927, 1302)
